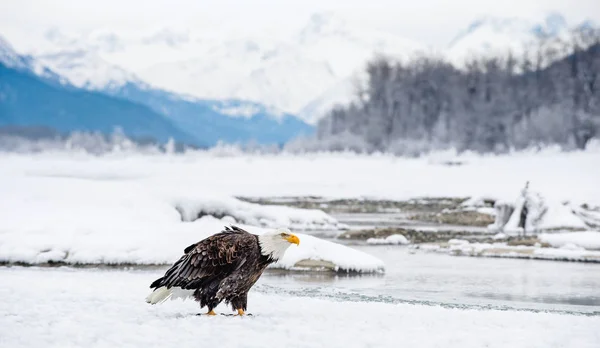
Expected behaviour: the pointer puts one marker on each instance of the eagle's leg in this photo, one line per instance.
(240, 303)
(211, 312)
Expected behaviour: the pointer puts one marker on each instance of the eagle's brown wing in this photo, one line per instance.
(216, 256)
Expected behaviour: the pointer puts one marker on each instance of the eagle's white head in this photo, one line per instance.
(275, 243)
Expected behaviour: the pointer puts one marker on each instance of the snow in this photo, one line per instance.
(128, 208)
(542, 214)
(493, 36)
(589, 240)
(499, 236)
(394, 239)
(86, 69)
(459, 247)
(331, 255)
(559, 176)
(107, 308)
(110, 221)
(254, 214)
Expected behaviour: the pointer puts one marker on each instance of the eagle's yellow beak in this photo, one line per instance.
(293, 239)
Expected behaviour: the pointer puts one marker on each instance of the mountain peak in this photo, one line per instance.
(87, 69)
(492, 35)
(552, 25)
(322, 23)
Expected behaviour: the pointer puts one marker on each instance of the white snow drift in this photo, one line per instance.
(112, 221)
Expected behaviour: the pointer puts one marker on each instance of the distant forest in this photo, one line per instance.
(548, 94)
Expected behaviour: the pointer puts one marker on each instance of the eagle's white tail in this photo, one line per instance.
(159, 295)
(162, 294)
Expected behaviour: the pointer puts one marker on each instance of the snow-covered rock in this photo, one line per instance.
(532, 213)
(499, 236)
(394, 239)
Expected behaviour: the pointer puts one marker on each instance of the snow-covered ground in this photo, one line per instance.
(95, 308)
(132, 208)
(558, 176)
(115, 219)
(75, 220)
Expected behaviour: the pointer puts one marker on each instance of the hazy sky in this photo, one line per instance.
(432, 22)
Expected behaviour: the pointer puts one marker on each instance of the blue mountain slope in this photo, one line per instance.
(206, 119)
(30, 100)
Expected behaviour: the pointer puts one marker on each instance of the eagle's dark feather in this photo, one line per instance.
(222, 267)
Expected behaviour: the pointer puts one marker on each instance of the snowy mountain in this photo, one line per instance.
(229, 121)
(304, 71)
(285, 70)
(86, 69)
(490, 36)
(28, 100)
(210, 121)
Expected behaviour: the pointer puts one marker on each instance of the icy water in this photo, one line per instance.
(455, 282)
(449, 281)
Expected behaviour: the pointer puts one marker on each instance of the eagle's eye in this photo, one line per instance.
(284, 234)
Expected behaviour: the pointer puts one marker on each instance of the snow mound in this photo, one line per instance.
(589, 240)
(315, 253)
(108, 221)
(394, 239)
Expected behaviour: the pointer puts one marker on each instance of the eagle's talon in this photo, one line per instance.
(211, 312)
(240, 313)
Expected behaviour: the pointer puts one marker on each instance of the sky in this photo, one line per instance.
(431, 22)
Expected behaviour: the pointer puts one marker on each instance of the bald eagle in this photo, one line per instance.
(222, 267)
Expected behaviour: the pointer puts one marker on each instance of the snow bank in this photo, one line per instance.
(394, 239)
(82, 221)
(254, 214)
(589, 240)
(106, 309)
